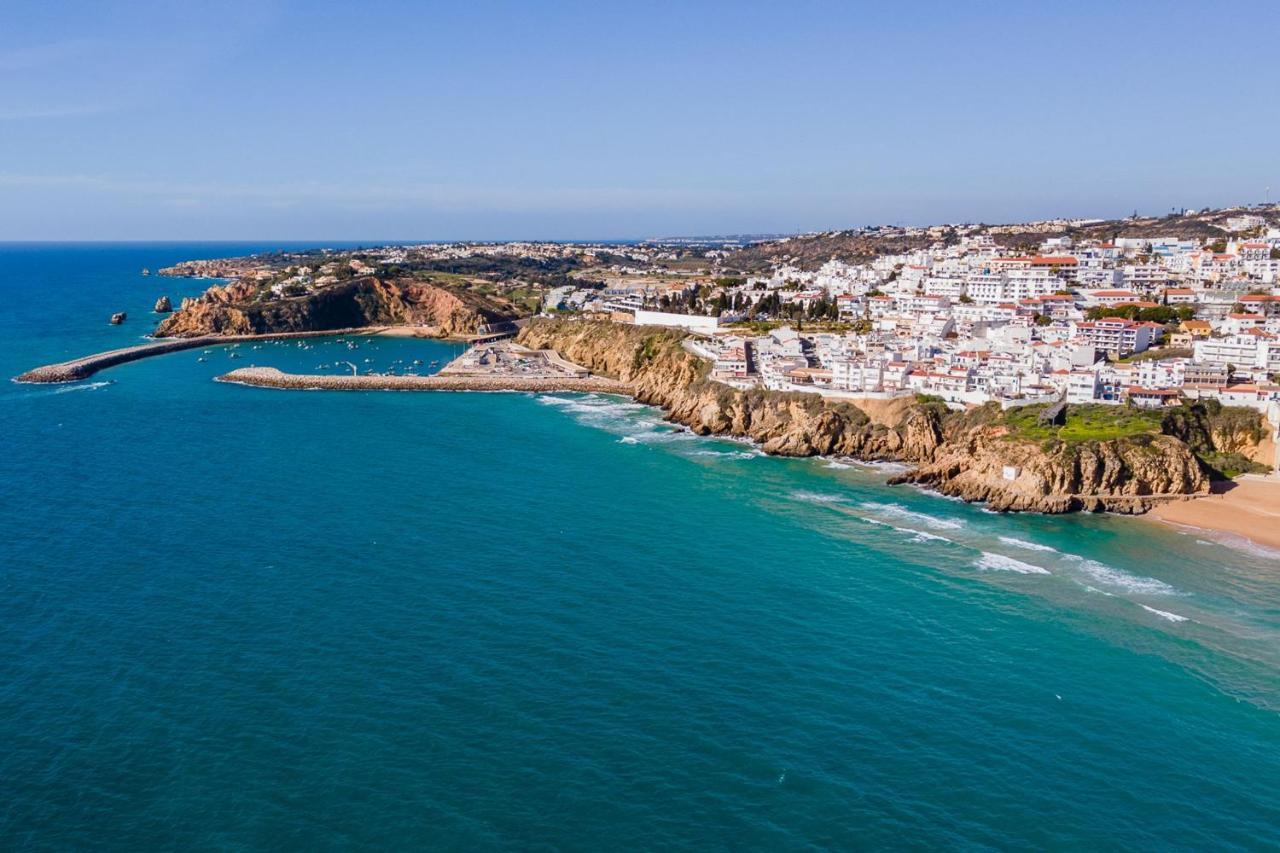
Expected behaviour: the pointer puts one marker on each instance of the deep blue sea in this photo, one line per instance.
(237, 618)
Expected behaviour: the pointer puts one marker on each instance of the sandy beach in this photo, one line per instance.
(1248, 507)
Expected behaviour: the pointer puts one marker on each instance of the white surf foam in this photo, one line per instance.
(1029, 546)
(838, 466)
(900, 511)
(724, 454)
(87, 386)
(922, 536)
(1106, 575)
(817, 497)
(1001, 563)
(1164, 614)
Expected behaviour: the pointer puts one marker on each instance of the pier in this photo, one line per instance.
(86, 366)
(270, 377)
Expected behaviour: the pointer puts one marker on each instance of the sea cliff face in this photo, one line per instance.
(968, 455)
(233, 309)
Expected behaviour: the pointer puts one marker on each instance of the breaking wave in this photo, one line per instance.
(1105, 575)
(817, 497)
(1000, 563)
(900, 511)
(88, 386)
(1024, 544)
(1164, 614)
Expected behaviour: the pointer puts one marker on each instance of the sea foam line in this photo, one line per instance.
(1108, 576)
(1165, 614)
(817, 497)
(1024, 544)
(900, 511)
(1001, 563)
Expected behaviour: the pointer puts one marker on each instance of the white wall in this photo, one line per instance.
(693, 322)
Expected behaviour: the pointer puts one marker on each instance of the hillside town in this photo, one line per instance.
(1143, 321)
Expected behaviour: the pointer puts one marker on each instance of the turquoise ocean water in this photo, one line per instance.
(240, 618)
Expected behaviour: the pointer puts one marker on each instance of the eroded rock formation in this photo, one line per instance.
(238, 309)
(970, 455)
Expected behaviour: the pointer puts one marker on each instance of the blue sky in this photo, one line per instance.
(381, 120)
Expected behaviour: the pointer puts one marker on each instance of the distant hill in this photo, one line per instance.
(810, 251)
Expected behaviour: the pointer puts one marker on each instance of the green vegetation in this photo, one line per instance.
(1229, 465)
(1085, 422)
(1220, 436)
(653, 345)
(764, 327)
(1156, 354)
(1163, 314)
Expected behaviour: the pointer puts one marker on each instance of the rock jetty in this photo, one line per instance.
(83, 368)
(270, 377)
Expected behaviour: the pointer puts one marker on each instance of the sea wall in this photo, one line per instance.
(84, 367)
(270, 377)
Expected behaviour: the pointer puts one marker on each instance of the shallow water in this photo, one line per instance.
(241, 617)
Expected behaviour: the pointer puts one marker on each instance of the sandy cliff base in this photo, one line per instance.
(1248, 507)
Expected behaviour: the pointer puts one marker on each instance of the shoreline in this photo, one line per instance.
(1246, 509)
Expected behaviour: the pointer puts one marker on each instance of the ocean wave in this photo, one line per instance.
(1000, 563)
(1244, 546)
(887, 467)
(923, 536)
(900, 511)
(725, 454)
(615, 415)
(84, 386)
(838, 466)
(817, 497)
(1029, 546)
(1124, 581)
(1164, 614)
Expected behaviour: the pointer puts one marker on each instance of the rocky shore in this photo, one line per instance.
(973, 455)
(242, 307)
(270, 377)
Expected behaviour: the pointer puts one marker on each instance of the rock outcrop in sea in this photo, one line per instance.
(163, 305)
(973, 455)
(238, 308)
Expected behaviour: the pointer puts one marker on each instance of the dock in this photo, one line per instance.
(86, 366)
(270, 377)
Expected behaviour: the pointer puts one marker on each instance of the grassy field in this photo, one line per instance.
(1083, 423)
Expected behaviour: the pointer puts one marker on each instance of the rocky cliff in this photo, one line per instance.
(971, 455)
(238, 309)
(1120, 474)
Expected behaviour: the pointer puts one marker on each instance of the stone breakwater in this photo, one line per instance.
(270, 377)
(83, 368)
